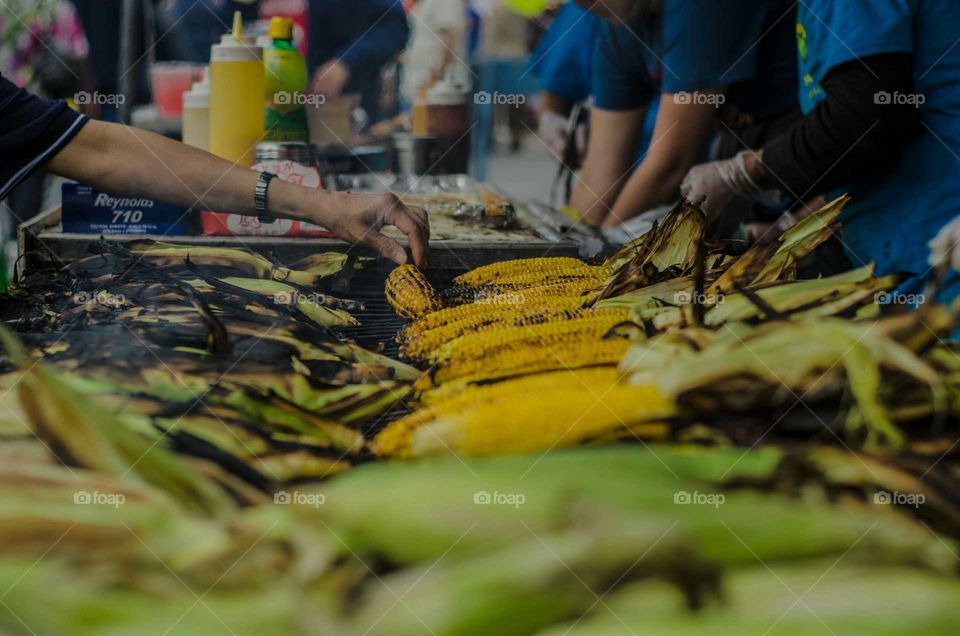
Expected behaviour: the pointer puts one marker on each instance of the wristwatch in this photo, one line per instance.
(260, 196)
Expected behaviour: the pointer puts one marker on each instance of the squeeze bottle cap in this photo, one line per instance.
(234, 46)
(199, 95)
(281, 28)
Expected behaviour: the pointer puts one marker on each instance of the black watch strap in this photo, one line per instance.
(260, 196)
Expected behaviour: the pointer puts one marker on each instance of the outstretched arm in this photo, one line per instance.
(128, 160)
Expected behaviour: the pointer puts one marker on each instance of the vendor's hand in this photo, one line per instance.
(726, 189)
(331, 78)
(363, 216)
(709, 186)
(945, 248)
(552, 130)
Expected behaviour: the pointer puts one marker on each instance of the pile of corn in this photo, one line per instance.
(522, 317)
(518, 354)
(539, 411)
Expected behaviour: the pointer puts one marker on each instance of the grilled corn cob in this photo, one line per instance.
(410, 293)
(511, 294)
(532, 272)
(484, 344)
(572, 353)
(529, 414)
(418, 342)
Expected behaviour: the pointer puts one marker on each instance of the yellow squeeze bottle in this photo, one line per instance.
(236, 96)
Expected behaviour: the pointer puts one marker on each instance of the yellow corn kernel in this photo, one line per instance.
(410, 293)
(593, 326)
(520, 294)
(572, 353)
(421, 344)
(530, 414)
(531, 271)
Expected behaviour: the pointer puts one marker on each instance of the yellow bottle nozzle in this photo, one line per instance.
(237, 27)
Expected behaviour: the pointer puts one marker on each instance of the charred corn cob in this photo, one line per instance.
(418, 342)
(517, 294)
(529, 414)
(410, 293)
(531, 272)
(484, 344)
(573, 353)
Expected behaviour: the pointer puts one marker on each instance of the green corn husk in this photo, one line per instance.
(79, 435)
(801, 356)
(592, 520)
(252, 264)
(666, 251)
(823, 295)
(282, 293)
(771, 262)
(808, 299)
(834, 597)
(801, 240)
(326, 264)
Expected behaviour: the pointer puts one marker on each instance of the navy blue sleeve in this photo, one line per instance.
(563, 63)
(364, 35)
(378, 39)
(32, 130)
(622, 77)
(711, 43)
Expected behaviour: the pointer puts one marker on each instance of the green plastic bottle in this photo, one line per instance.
(286, 86)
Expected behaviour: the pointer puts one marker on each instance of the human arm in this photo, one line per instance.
(680, 138)
(122, 159)
(611, 151)
(849, 135)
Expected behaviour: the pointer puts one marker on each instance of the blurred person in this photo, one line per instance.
(39, 134)
(502, 52)
(350, 43)
(880, 89)
(101, 21)
(716, 64)
(188, 28)
(563, 64)
(437, 45)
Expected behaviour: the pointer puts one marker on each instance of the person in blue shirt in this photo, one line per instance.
(563, 64)
(350, 42)
(717, 65)
(880, 89)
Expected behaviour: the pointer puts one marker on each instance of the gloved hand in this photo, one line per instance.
(945, 248)
(552, 130)
(723, 186)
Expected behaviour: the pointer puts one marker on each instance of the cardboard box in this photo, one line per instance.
(86, 210)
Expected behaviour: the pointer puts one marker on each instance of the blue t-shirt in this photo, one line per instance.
(746, 45)
(562, 62)
(896, 212)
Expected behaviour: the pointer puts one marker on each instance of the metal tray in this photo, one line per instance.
(40, 242)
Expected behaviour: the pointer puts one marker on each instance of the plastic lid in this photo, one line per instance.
(235, 47)
(229, 50)
(199, 95)
(281, 28)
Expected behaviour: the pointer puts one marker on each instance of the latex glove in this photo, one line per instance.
(552, 130)
(723, 185)
(331, 78)
(945, 248)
